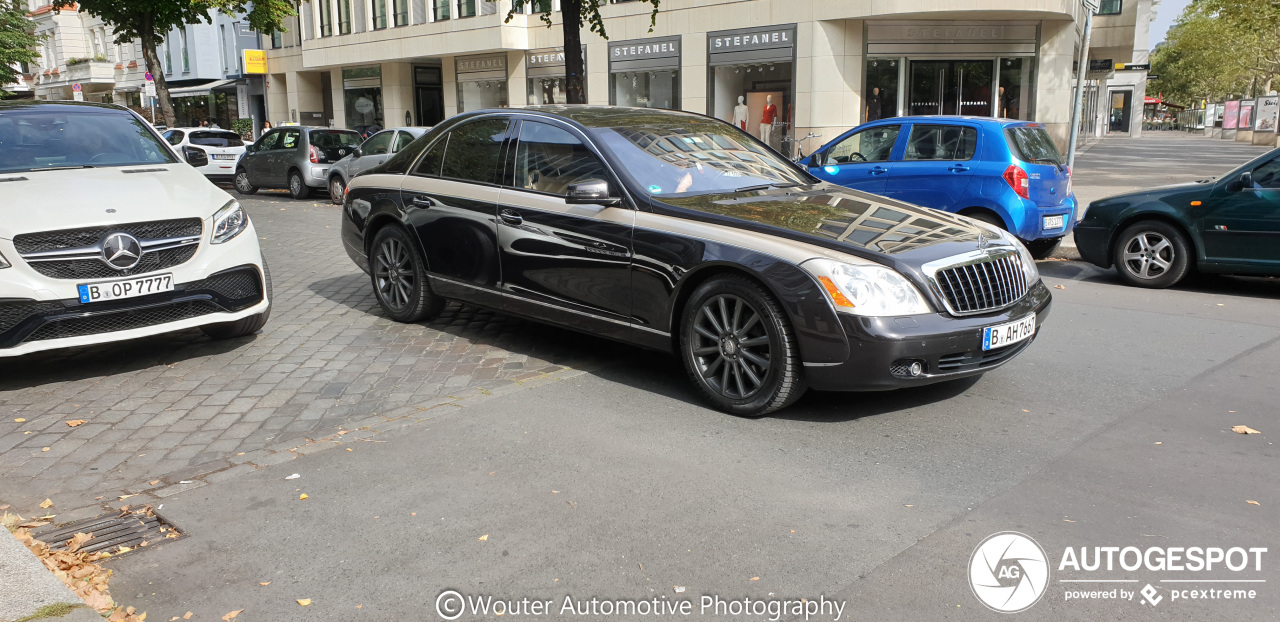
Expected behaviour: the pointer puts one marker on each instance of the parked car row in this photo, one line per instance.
(667, 230)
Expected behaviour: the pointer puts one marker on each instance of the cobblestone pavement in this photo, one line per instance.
(167, 408)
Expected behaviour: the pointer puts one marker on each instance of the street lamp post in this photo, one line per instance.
(1090, 7)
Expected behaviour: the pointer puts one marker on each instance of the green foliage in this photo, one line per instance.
(1218, 49)
(80, 61)
(18, 40)
(243, 127)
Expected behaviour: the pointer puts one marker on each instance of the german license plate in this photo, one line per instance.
(1053, 222)
(129, 288)
(1008, 334)
(224, 156)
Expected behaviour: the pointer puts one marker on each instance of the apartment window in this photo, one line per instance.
(1109, 7)
(401, 10)
(380, 14)
(277, 40)
(533, 7)
(186, 58)
(168, 59)
(93, 43)
(466, 8)
(326, 19)
(441, 12)
(344, 17)
(222, 45)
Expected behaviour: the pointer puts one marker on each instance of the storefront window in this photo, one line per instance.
(753, 83)
(1013, 99)
(880, 99)
(478, 95)
(362, 98)
(645, 73)
(547, 90)
(647, 89)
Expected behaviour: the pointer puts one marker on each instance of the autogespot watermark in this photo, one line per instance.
(1009, 572)
(451, 605)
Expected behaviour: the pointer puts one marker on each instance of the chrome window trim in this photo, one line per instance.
(986, 255)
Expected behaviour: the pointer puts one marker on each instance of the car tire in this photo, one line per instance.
(1041, 249)
(242, 184)
(298, 187)
(246, 326)
(989, 218)
(738, 347)
(1152, 253)
(337, 190)
(399, 277)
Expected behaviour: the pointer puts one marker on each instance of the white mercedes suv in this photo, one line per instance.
(107, 235)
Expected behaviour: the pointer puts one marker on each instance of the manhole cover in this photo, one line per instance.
(115, 534)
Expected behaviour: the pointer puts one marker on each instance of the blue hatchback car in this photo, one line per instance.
(1001, 171)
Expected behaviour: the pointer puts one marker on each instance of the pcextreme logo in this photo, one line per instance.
(1009, 572)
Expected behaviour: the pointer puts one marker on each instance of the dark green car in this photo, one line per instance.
(1154, 238)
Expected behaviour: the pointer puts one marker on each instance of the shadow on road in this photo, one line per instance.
(1247, 286)
(104, 360)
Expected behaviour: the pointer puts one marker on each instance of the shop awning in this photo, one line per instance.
(199, 90)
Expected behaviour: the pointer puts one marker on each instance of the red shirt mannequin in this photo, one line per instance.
(770, 114)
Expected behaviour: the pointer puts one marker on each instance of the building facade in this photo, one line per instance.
(797, 66)
(202, 64)
(1118, 63)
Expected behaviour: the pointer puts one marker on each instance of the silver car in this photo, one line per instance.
(293, 157)
(371, 153)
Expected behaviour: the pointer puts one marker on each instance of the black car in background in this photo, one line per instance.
(1155, 237)
(682, 233)
(295, 158)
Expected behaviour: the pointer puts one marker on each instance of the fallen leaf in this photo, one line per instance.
(1159, 442)
(359, 606)
(491, 473)
(154, 482)
(1067, 520)
(755, 578)
(1025, 410)
(348, 449)
(908, 506)
(123, 497)
(1252, 502)
(305, 602)
(413, 514)
(264, 583)
(302, 496)
(484, 538)
(231, 615)
(46, 504)
(1244, 429)
(77, 541)
(189, 614)
(44, 449)
(1059, 286)
(75, 423)
(124, 549)
(19, 420)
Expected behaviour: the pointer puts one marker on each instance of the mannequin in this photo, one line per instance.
(767, 119)
(740, 113)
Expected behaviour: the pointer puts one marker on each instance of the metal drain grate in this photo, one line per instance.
(110, 533)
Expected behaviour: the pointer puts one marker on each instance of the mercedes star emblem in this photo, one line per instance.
(121, 251)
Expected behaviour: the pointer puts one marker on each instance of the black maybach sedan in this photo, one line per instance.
(682, 233)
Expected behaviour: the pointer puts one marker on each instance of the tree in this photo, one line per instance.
(18, 40)
(1219, 48)
(575, 13)
(148, 21)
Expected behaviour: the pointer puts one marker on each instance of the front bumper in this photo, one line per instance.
(30, 325)
(1094, 244)
(949, 347)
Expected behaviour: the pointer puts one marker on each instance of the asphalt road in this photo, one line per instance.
(1114, 428)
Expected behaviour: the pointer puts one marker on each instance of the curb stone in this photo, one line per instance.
(28, 586)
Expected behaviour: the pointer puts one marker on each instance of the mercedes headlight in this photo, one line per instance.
(867, 290)
(1028, 262)
(229, 222)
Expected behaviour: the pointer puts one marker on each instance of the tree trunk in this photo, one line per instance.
(573, 62)
(157, 71)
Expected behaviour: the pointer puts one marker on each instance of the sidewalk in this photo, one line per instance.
(29, 591)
